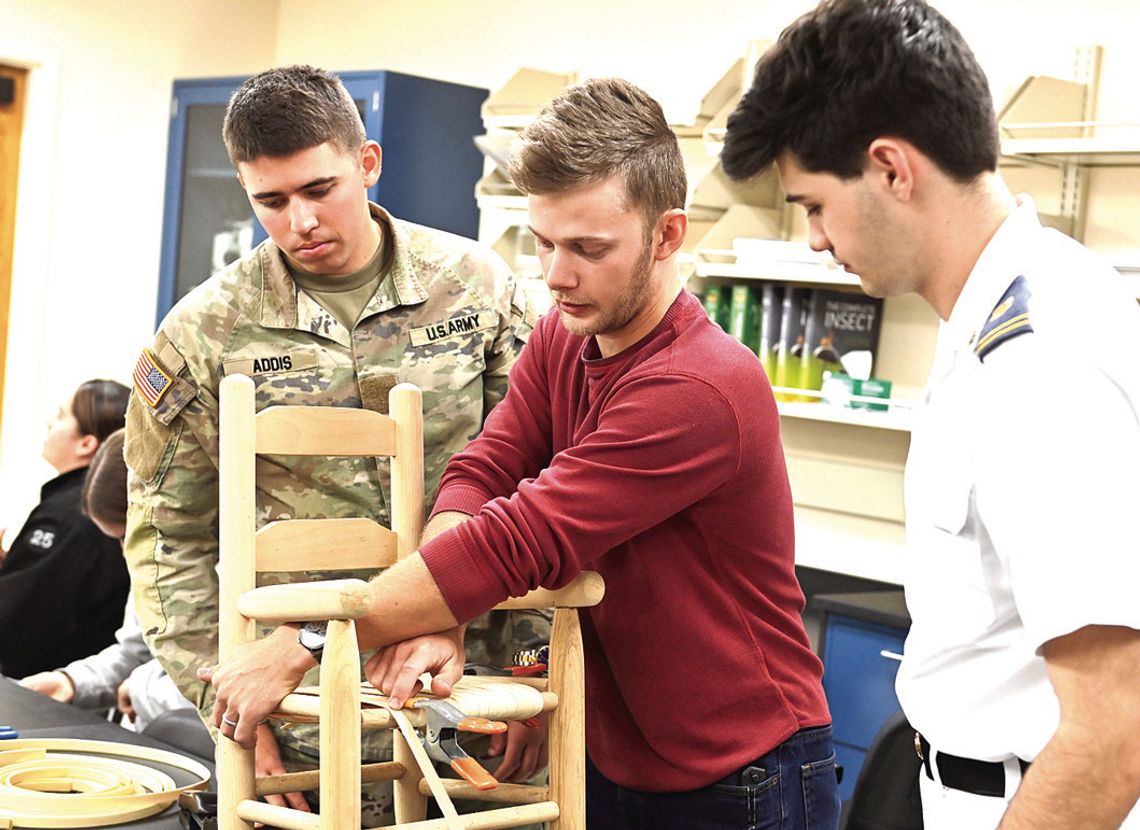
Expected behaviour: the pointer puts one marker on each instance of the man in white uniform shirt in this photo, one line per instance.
(1022, 668)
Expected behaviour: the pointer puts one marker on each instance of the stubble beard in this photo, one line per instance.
(625, 306)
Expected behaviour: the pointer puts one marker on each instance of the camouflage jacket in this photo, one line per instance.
(447, 316)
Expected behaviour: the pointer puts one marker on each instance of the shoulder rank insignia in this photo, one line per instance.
(1009, 319)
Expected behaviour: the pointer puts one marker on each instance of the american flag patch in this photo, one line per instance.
(150, 380)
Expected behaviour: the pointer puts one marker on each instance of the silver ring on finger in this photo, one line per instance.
(229, 722)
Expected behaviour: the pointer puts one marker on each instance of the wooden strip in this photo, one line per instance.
(509, 793)
(587, 589)
(428, 769)
(325, 545)
(86, 790)
(324, 430)
(408, 804)
(309, 780)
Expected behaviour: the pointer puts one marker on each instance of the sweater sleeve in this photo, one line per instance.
(663, 442)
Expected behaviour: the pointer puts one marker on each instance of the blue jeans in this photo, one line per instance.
(793, 787)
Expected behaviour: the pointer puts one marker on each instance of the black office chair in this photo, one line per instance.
(184, 730)
(886, 793)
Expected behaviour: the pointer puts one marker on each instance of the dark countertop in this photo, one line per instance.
(35, 716)
(882, 607)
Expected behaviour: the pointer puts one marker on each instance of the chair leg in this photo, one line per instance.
(340, 728)
(235, 783)
(410, 805)
(567, 722)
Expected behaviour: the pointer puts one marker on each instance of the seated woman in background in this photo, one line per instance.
(124, 674)
(63, 582)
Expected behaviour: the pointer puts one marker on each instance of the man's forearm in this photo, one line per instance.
(442, 522)
(1088, 775)
(1075, 782)
(406, 602)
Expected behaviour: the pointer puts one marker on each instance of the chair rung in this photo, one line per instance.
(284, 817)
(489, 819)
(507, 793)
(309, 780)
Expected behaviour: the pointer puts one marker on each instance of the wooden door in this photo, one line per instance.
(13, 85)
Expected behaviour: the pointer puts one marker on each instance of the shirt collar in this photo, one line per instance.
(995, 269)
(401, 284)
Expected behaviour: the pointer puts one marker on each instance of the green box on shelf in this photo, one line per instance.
(873, 388)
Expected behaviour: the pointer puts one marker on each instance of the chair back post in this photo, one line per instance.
(567, 722)
(405, 407)
(236, 520)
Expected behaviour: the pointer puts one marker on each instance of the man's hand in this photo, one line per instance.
(267, 761)
(123, 696)
(251, 683)
(53, 684)
(525, 751)
(395, 669)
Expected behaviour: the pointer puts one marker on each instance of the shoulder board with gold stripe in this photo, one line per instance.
(1009, 319)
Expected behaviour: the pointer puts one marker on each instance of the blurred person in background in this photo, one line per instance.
(63, 582)
(124, 675)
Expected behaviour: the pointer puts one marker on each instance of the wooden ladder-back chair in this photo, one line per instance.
(341, 708)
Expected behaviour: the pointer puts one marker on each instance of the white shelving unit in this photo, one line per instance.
(897, 418)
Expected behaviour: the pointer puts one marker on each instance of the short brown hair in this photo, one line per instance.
(597, 129)
(104, 494)
(100, 407)
(289, 109)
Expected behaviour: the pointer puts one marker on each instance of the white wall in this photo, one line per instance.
(91, 190)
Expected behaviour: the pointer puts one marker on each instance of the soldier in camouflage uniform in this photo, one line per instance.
(422, 306)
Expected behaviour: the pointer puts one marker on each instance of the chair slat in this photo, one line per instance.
(325, 544)
(324, 430)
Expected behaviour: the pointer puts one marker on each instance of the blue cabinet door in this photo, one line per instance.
(430, 166)
(860, 685)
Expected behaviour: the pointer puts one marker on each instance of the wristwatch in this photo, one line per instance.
(311, 636)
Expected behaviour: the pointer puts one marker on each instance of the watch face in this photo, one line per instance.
(312, 640)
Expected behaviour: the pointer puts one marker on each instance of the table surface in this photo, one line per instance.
(33, 715)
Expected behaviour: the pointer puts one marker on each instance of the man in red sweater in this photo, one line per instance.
(641, 441)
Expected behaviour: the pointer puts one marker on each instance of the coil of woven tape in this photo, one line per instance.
(58, 782)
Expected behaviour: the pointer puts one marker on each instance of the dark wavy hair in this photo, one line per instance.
(853, 70)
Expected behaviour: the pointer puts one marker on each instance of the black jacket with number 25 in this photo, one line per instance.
(63, 585)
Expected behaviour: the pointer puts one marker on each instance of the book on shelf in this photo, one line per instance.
(771, 310)
(717, 304)
(841, 335)
(789, 352)
(744, 315)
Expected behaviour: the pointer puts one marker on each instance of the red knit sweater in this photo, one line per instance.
(662, 469)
